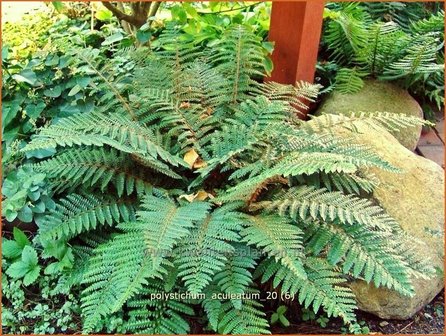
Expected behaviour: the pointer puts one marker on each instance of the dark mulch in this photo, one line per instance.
(429, 320)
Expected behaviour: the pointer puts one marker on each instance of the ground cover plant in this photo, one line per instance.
(192, 176)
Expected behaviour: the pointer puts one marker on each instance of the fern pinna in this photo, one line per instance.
(265, 198)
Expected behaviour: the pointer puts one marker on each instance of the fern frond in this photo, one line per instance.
(278, 239)
(119, 270)
(434, 23)
(420, 58)
(76, 214)
(249, 319)
(347, 183)
(259, 113)
(304, 163)
(386, 42)
(322, 288)
(205, 251)
(306, 203)
(85, 57)
(346, 31)
(390, 121)
(292, 96)
(122, 267)
(164, 223)
(239, 58)
(349, 80)
(361, 252)
(176, 48)
(98, 129)
(90, 167)
(235, 278)
(157, 316)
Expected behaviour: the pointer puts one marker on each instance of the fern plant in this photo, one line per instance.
(377, 40)
(192, 183)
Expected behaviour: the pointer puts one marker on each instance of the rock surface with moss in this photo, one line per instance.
(378, 96)
(415, 198)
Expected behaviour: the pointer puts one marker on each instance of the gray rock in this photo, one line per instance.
(377, 96)
(415, 198)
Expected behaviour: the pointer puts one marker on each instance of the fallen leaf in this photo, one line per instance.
(201, 195)
(190, 157)
(199, 163)
(190, 198)
(185, 105)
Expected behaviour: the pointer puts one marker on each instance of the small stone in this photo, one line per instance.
(384, 323)
(428, 316)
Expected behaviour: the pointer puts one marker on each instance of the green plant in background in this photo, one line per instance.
(310, 315)
(193, 176)
(373, 40)
(27, 195)
(364, 328)
(34, 303)
(40, 85)
(279, 316)
(204, 23)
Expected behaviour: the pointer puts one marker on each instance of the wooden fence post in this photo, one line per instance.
(295, 28)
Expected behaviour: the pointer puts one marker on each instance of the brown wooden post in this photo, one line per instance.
(296, 29)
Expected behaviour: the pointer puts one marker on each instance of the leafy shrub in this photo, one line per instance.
(190, 175)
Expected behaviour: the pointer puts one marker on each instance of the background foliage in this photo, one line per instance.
(391, 41)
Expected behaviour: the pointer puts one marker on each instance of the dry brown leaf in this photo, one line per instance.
(190, 198)
(199, 163)
(201, 195)
(185, 105)
(190, 157)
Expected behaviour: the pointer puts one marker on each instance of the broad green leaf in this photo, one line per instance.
(178, 14)
(143, 36)
(11, 249)
(112, 39)
(274, 318)
(5, 52)
(74, 90)
(31, 276)
(284, 321)
(20, 237)
(103, 14)
(34, 110)
(17, 270)
(53, 92)
(25, 214)
(58, 6)
(282, 310)
(29, 256)
(52, 60)
(268, 46)
(40, 153)
(26, 76)
(9, 215)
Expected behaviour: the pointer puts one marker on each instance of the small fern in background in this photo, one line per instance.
(192, 183)
(391, 41)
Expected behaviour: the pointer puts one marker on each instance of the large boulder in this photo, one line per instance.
(382, 97)
(415, 198)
